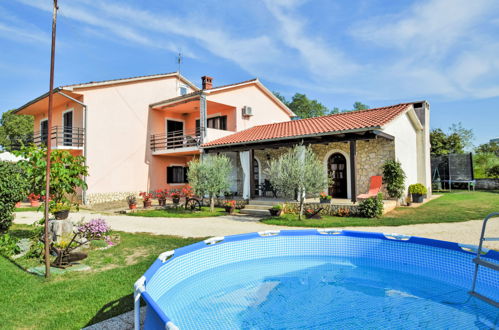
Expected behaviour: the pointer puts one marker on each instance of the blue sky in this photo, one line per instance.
(338, 52)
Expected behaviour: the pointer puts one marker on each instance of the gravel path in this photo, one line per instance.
(462, 232)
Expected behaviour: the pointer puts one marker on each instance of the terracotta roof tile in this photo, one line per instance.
(360, 119)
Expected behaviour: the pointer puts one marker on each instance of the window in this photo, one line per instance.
(215, 122)
(44, 131)
(182, 90)
(176, 174)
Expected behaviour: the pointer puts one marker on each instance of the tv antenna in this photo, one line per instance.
(180, 59)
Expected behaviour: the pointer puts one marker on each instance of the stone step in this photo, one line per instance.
(255, 212)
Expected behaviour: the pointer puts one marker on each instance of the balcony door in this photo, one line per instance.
(44, 131)
(67, 127)
(174, 134)
(337, 170)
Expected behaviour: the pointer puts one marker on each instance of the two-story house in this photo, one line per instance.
(138, 134)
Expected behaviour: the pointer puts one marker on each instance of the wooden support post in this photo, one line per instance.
(252, 173)
(353, 174)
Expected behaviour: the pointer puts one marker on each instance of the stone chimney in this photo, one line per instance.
(206, 82)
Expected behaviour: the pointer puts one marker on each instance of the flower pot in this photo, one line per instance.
(176, 200)
(35, 203)
(61, 215)
(325, 201)
(162, 201)
(417, 198)
(147, 204)
(275, 213)
(18, 205)
(229, 209)
(132, 206)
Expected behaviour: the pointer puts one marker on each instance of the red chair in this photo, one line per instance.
(374, 188)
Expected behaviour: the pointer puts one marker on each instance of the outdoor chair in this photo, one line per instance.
(265, 187)
(374, 188)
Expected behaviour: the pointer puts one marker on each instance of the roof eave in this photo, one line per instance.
(294, 137)
(41, 97)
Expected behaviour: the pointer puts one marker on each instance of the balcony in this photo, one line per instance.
(61, 137)
(176, 141)
(185, 142)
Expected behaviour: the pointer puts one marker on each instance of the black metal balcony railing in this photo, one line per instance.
(70, 137)
(175, 139)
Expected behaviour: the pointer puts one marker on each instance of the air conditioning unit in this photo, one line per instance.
(247, 111)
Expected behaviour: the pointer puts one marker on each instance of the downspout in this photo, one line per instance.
(84, 192)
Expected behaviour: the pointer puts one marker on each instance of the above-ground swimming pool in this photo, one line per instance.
(318, 279)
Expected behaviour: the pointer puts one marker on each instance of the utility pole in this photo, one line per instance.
(49, 145)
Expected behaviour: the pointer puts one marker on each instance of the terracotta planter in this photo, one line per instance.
(35, 203)
(229, 209)
(18, 205)
(162, 201)
(61, 215)
(132, 206)
(176, 200)
(275, 213)
(147, 204)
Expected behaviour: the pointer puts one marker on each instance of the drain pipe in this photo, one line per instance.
(85, 108)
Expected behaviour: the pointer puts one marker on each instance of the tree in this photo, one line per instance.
(482, 162)
(15, 129)
(66, 172)
(493, 172)
(466, 136)
(443, 144)
(13, 188)
(210, 176)
(491, 147)
(304, 107)
(394, 178)
(298, 173)
(360, 106)
(281, 97)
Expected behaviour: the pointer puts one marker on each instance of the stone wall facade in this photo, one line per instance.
(370, 157)
(98, 198)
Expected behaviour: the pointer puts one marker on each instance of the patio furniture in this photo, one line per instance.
(265, 187)
(374, 188)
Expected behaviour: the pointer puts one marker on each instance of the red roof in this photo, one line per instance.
(345, 121)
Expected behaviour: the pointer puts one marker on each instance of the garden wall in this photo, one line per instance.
(487, 184)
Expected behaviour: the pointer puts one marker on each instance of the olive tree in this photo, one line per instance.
(210, 176)
(298, 173)
(13, 188)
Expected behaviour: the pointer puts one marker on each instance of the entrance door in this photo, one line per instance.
(174, 134)
(67, 127)
(256, 177)
(337, 170)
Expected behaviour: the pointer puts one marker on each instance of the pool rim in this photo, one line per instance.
(140, 287)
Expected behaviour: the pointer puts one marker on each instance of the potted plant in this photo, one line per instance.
(276, 210)
(34, 199)
(132, 202)
(325, 198)
(146, 199)
(161, 195)
(417, 191)
(18, 205)
(175, 197)
(60, 210)
(187, 192)
(230, 206)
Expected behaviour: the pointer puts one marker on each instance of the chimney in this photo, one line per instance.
(207, 82)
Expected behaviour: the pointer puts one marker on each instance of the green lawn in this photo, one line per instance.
(78, 299)
(451, 207)
(28, 209)
(179, 213)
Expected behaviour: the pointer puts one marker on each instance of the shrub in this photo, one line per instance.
(371, 207)
(418, 189)
(394, 178)
(8, 245)
(343, 212)
(13, 188)
(277, 207)
(493, 172)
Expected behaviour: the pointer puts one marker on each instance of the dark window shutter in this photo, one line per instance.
(198, 123)
(223, 123)
(169, 175)
(186, 179)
